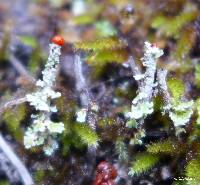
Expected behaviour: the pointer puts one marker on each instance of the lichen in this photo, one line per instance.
(142, 104)
(81, 115)
(43, 130)
(181, 112)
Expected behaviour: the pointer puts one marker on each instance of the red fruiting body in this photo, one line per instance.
(98, 179)
(58, 40)
(103, 166)
(106, 174)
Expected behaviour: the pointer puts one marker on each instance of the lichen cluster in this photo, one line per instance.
(152, 82)
(142, 104)
(43, 131)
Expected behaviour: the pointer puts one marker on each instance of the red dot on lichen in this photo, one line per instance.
(57, 39)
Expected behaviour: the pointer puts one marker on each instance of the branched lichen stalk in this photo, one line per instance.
(151, 82)
(43, 131)
(142, 104)
(179, 111)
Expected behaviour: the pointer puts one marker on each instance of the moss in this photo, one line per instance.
(176, 87)
(142, 163)
(184, 45)
(39, 176)
(4, 182)
(106, 56)
(83, 19)
(191, 171)
(165, 147)
(102, 44)
(121, 150)
(86, 134)
(13, 119)
(197, 75)
(171, 26)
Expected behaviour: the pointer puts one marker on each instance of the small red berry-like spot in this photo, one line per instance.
(58, 40)
(105, 174)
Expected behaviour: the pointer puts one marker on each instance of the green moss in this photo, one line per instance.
(121, 150)
(176, 87)
(191, 171)
(110, 43)
(29, 41)
(86, 134)
(39, 176)
(184, 45)
(106, 56)
(166, 147)
(197, 75)
(180, 182)
(83, 19)
(13, 119)
(171, 26)
(107, 122)
(142, 163)
(4, 182)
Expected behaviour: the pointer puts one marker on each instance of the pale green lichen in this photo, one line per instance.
(181, 112)
(81, 115)
(43, 131)
(141, 110)
(142, 104)
(142, 163)
(40, 98)
(131, 123)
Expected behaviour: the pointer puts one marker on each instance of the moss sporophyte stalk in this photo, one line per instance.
(43, 131)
